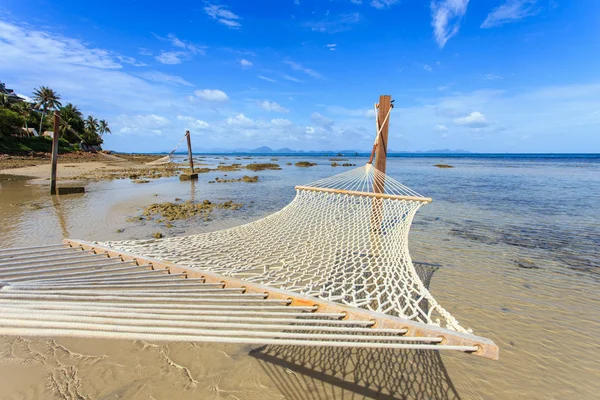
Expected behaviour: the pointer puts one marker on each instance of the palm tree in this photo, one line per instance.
(24, 109)
(45, 99)
(103, 127)
(71, 110)
(91, 124)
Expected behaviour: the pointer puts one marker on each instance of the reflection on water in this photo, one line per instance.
(518, 241)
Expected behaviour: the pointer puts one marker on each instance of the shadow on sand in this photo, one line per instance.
(322, 373)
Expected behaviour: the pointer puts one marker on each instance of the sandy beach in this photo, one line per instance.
(71, 165)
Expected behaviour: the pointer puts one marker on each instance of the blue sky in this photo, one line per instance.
(479, 75)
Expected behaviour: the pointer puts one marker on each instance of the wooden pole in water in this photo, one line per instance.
(189, 142)
(54, 152)
(383, 108)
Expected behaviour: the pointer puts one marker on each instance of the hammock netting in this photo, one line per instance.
(343, 239)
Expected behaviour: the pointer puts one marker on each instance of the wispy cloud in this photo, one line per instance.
(223, 15)
(171, 57)
(427, 67)
(381, 4)
(441, 128)
(491, 77)
(298, 67)
(245, 63)
(160, 77)
(291, 78)
(510, 11)
(131, 61)
(184, 50)
(446, 18)
(331, 46)
(183, 44)
(335, 23)
(266, 78)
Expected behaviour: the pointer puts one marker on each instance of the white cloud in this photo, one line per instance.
(145, 52)
(291, 78)
(240, 120)
(183, 44)
(211, 95)
(320, 120)
(39, 46)
(192, 122)
(446, 18)
(245, 63)
(282, 122)
(381, 4)
(265, 78)
(142, 124)
(510, 11)
(334, 24)
(427, 67)
(441, 128)
(331, 46)
(473, 120)
(491, 77)
(298, 67)
(160, 77)
(272, 106)
(223, 15)
(170, 57)
(131, 61)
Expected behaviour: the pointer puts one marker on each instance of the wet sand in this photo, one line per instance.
(543, 314)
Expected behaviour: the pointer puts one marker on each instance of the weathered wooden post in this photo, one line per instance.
(54, 152)
(189, 143)
(383, 110)
(192, 175)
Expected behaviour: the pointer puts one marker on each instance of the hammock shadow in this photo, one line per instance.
(320, 373)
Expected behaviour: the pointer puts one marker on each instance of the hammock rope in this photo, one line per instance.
(337, 240)
(167, 159)
(189, 308)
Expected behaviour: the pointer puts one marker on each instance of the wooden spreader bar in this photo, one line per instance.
(365, 194)
(478, 346)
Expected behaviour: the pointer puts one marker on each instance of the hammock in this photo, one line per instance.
(167, 159)
(338, 240)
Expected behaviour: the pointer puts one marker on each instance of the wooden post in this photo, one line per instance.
(191, 176)
(54, 152)
(189, 142)
(383, 108)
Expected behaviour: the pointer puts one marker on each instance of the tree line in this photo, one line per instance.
(16, 114)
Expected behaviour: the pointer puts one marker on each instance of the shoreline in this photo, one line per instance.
(72, 166)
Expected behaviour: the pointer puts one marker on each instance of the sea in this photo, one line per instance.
(513, 240)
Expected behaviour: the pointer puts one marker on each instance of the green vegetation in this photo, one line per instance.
(42, 144)
(443, 166)
(20, 119)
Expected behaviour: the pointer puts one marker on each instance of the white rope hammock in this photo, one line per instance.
(338, 240)
(110, 295)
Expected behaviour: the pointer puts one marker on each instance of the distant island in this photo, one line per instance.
(345, 152)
